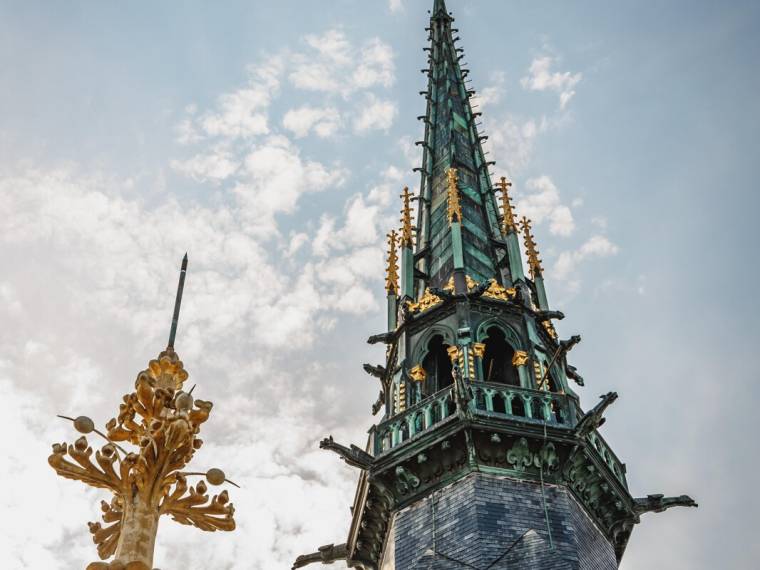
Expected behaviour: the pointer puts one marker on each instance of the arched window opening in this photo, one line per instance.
(497, 361)
(437, 365)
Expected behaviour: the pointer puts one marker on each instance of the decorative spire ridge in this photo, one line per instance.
(508, 214)
(177, 302)
(534, 263)
(454, 207)
(391, 272)
(439, 9)
(406, 219)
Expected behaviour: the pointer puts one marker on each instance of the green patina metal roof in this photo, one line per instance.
(452, 141)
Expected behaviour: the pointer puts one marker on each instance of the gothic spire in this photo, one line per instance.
(452, 141)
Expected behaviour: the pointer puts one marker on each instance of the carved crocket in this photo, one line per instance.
(354, 456)
(326, 554)
(593, 419)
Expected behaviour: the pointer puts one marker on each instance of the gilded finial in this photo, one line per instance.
(454, 208)
(391, 275)
(508, 214)
(534, 263)
(406, 219)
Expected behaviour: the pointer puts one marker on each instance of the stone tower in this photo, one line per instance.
(484, 457)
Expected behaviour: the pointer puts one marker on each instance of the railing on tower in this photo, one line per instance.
(402, 427)
(500, 400)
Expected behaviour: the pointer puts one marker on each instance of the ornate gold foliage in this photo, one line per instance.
(508, 214)
(427, 301)
(406, 219)
(417, 373)
(454, 210)
(500, 293)
(549, 328)
(163, 423)
(519, 358)
(479, 349)
(494, 291)
(534, 263)
(391, 272)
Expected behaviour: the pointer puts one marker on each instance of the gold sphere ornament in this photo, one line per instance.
(215, 476)
(183, 402)
(83, 424)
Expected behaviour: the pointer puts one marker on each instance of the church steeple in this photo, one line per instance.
(481, 427)
(452, 141)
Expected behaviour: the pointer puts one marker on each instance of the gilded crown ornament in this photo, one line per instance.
(159, 423)
(508, 214)
(534, 263)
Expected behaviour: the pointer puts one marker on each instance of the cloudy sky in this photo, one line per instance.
(270, 140)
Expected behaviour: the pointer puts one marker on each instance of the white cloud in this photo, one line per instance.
(511, 140)
(567, 263)
(541, 78)
(375, 114)
(396, 6)
(376, 67)
(492, 93)
(324, 121)
(332, 65)
(542, 203)
(215, 165)
(275, 176)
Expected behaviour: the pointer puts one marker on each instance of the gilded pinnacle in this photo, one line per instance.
(508, 215)
(391, 275)
(406, 219)
(534, 263)
(454, 207)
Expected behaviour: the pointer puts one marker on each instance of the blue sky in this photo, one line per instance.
(270, 140)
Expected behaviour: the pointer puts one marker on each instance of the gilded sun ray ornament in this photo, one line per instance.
(158, 423)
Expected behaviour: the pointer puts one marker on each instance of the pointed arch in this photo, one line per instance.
(431, 353)
(501, 343)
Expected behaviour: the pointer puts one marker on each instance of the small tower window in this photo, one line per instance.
(437, 365)
(497, 361)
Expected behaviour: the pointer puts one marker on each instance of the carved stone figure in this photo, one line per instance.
(567, 345)
(593, 419)
(386, 338)
(354, 456)
(376, 371)
(548, 315)
(572, 373)
(660, 503)
(326, 554)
